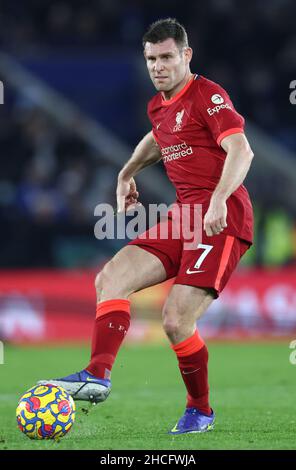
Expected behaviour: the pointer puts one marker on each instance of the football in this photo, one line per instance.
(45, 412)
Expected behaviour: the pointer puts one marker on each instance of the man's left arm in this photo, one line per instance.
(237, 163)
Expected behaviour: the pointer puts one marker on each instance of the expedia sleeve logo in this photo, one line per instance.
(219, 102)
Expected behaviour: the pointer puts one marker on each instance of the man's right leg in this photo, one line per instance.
(131, 270)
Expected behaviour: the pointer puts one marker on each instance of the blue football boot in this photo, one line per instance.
(83, 386)
(194, 421)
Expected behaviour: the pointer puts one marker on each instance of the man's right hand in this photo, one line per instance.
(127, 195)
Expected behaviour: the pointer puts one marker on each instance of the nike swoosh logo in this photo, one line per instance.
(193, 272)
(175, 429)
(158, 125)
(191, 372)
(88, 379)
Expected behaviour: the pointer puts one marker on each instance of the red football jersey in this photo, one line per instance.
(188, 129)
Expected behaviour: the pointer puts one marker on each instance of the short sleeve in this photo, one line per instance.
(218, 113)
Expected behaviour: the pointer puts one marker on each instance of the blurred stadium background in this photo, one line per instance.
(75, 94)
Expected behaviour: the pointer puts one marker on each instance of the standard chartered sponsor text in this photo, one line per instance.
(173, 152)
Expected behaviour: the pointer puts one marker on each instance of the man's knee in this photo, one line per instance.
(103, 278)
(171, 322)
(110, 283)
(99, 282)
(178, 323)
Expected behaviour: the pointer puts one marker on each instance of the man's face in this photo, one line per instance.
(167, 64)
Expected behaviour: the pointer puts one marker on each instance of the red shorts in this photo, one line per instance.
(209, 266)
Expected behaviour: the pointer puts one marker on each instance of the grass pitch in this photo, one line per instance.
(252, 393)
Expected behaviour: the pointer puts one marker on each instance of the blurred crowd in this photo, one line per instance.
(250, 46)
(50, 183)
(51, 180)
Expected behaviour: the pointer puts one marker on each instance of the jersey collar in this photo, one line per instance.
(179, 94)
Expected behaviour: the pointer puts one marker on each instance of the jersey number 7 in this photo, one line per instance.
(206, 250)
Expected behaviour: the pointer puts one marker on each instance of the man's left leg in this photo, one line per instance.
(184, 305)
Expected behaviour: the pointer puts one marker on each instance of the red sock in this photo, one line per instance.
(192, 355)
(111, 325)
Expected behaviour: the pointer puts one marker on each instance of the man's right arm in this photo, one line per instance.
(145, 154)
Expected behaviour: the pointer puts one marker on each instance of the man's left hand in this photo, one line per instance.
(215, 218)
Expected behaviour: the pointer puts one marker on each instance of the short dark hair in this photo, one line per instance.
(164, 29)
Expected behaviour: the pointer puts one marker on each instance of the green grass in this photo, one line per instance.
(252, 393)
